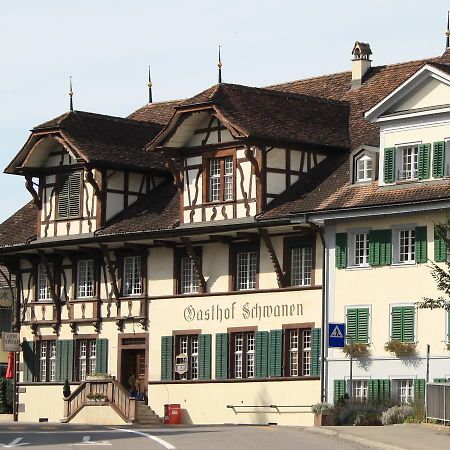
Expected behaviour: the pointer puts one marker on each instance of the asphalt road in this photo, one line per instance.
(77, 437)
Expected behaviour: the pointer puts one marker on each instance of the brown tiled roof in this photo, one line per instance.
(108, 139)
(159, 210)
(159, 112)
(279, 116)
(329, 189)
(20, 228)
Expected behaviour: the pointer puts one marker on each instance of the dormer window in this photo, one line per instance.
(364, 168)
(69, 195)
(409, 157)
(220, 179)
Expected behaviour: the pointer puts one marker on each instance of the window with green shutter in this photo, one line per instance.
(221, 355)
(316, 351)
(440, 243)
(341, 250)
(64, 360)
(379, 391)
(28, 361)
(339, 390)
(380, 247)
(204, 357)
(166, 357)
(419, 391)
(101, 358)
(421, 245)
(402, 323)
(276, 353)
(438, 159)
(358, 324)
(389, 165)
(423, 165)
(262, 354)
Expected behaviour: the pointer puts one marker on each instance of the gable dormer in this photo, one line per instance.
(82, 169)
(414, 124)
(232, 149)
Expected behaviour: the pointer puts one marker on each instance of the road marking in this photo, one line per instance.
(87, 441)
(15, 443)
(149, 436)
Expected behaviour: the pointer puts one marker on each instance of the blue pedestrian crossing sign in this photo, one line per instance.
(336, 335)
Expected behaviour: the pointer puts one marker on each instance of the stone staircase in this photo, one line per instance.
(146, 416)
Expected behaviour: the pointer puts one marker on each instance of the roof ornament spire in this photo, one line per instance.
(447, 33)
(70, 93)
(150, 84)
(219, 66)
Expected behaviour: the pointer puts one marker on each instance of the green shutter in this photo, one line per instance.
(101, 359)
(408, 323)
(421, 245)
(380, 247)
(373, 390)
(28, 361)
(423, 166)
(339, 389)
(440, 244)
(166, 357)
(276, 353)
(221, 355)
(438, 159)
(341, 250)
(389, 165)
(439, 380)
(396, 323)
(262, 354)
(385, 391)
(358, 324)
(204, 356)
(316, 344)
(419, 391)
(64, 360)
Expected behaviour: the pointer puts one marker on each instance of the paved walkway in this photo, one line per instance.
(394, 437)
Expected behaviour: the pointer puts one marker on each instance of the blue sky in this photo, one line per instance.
(107, 45)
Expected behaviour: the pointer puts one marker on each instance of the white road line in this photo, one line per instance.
(87, 441)
(14, 443)
(149, 436)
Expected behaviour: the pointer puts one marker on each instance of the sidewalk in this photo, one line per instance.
(394, 437)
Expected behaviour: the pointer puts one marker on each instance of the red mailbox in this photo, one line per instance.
(172, 414)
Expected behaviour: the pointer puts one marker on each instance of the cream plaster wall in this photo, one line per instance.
(42, 401)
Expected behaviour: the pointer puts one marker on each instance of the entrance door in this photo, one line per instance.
(133, 370)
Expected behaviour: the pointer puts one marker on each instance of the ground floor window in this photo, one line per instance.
(187, 356)
(86, 351)
(46, 351)
(298, 344)
(403, 391)
(360, 390)
(243, 354)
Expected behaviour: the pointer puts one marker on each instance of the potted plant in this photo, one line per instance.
(400, 348)
(97, 397)
(357, 349)
(98, 376)
(66, 388)
(322, 414)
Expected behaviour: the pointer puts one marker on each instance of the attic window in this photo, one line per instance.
(69, 195)
(364, 168)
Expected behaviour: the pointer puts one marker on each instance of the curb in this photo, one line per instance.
(353, 438)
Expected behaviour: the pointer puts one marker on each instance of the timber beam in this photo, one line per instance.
(224, 239)
(111, 271)
(195, 260)
(248, 152)
(161, 243)
(281, 276)
(91, 180)
(29, 185)
(248, 235)
(175, 171)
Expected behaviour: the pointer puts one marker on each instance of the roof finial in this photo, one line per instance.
(149, 84)
(219, 65)
(71, 93)
(447, 33)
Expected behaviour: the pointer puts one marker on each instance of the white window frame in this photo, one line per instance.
(395, 388)
(301, 274)
(189, 281)
(352, 248)
(132, 280)
(246, 279)
(43, 285)
(396, 232)
(400, 168)
(365, 159)
(85, 278)
(364, 389)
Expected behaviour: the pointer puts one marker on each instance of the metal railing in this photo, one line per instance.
(438, 401)
(111, 391)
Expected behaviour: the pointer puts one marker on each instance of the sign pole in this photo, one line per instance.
(350, 387)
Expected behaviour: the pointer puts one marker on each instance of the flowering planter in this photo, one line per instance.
(356, 350)
(322, 420)
(400, 348)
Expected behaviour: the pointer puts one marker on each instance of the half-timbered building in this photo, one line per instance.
(186, 254)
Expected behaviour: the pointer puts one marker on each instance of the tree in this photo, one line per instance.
(441, 274)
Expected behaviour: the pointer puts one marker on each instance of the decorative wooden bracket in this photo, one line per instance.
(91, 180)
(30, 188)
(112, 273)
(51, 282)
(177, 177)
(251, 157)
(281, 276)
(194, 258)
(15, 298)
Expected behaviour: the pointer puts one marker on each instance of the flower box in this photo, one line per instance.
(400, 348)
(357, 349)
(322, 420)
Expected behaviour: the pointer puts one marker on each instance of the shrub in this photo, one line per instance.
(6, 396)
(397, 414)
(357, 413)
(322, 408)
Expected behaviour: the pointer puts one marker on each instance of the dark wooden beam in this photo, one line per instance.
(30, 188)
(136, 247)
(111, 271)
(194, 258)
(221, 238)
(281, 276)
(175, 171)
(248, 235)
(251, 157)
(91, 180)
(168, 244)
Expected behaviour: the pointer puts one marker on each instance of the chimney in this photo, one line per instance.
(361, 63)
